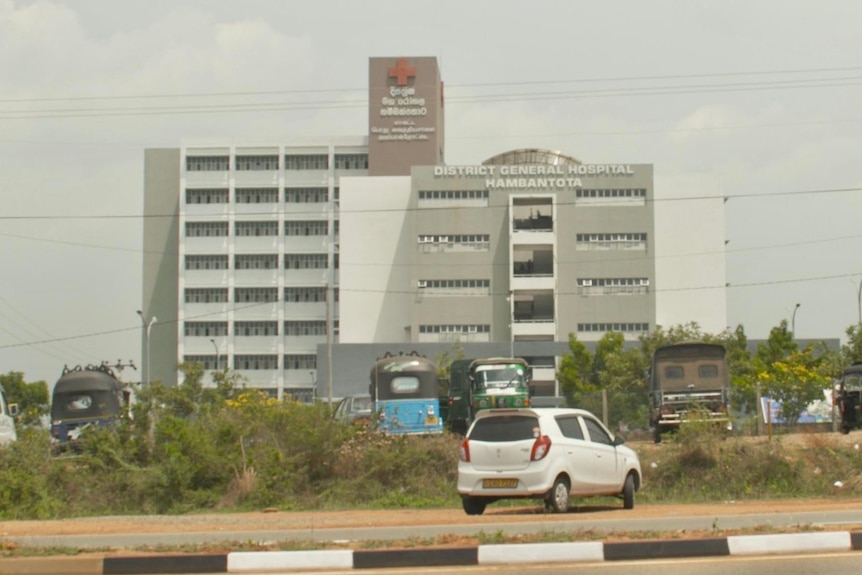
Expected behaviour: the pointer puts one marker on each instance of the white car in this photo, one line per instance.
(544, 453)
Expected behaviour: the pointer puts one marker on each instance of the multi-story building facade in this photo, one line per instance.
(297, 265)
(528, 247)
(256, 255)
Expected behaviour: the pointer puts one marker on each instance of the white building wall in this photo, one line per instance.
(376, 250)
(690, 258)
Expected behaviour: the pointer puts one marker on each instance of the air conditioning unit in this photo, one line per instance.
(645, 282)
(423, 283)
(586, 283)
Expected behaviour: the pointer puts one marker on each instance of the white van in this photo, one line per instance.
(7, 419)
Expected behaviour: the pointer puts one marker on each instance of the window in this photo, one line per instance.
(351, 161)
(570, 427)
(306, 195)
(304, 294)
(303, 328)
(307, 162)
(248, 163)
(206, 229)
(208, 361)
(257, 195)
(306, 228)
(255, 295)
(255, 362)
(588, 193)
(674, 372)
(206, 295)
(255, 328)
(707, 371)
(449, 287)
(207, 163)
(205, 328)
(612, 286)
(597, 432)
(305, 261)
(454, 243)
(256, 262)
(300, 361)
(255, 229)
(618, 327)
(404, 384)
(215, 262)
(453, 194)
(458, 329)
(505, 428)
(626, 241)
(207, 196)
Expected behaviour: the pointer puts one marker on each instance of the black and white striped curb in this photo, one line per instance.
(506, 554)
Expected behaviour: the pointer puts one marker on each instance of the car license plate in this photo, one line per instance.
(499, 483)
(430, 421)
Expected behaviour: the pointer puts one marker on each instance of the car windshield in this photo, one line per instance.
(500, 376)
(853, 382)
(501, 428)
(362, 404)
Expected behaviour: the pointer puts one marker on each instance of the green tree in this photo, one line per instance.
(32, 398)
(444, 360)
(796, 380)
(851, 352)
(575, 372)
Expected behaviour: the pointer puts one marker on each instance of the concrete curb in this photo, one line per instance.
(273, 561)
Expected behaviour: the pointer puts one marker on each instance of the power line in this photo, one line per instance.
(427, 209)
(471, 99)
(413, 292)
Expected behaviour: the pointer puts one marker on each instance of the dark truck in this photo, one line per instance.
(688, 381)
(848, 398)
(483, 383)
(83, 397)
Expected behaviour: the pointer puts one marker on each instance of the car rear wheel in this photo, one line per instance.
(557, 499)
(629, 492)
(473, 505)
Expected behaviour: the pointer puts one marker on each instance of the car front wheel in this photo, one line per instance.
(473, 505)
(629, 492)
(557, 499)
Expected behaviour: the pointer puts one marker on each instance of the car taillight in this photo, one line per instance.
(464, 451)
(541, 447)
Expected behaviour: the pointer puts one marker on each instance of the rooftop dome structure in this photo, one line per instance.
(531, 156)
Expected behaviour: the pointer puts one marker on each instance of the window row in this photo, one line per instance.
(259, 229)
(250, 362)
(610, 238)
(482, 328)
(259, 262)
(455, 239)
(269, 162)
(638, 193)
(255, 328)
(259, 195)
(612, 282)
(454, 284)
(453, 194)
(257, 295)
(617, 327)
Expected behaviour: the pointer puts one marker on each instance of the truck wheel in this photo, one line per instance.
(656, 434)
(629, 492)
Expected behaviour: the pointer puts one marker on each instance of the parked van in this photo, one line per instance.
(7, 419)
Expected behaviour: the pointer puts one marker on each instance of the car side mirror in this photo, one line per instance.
(618, 440)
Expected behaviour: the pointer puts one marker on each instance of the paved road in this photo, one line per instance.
(850, 517)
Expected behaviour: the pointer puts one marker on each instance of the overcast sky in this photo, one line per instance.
(757, 101)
